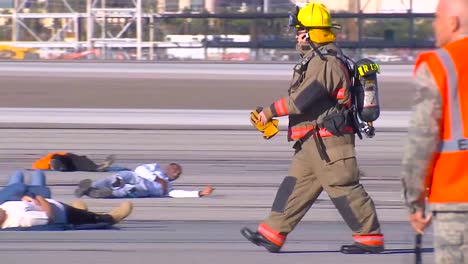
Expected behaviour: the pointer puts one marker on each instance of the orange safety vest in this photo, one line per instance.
(44, 162)
(449, 67)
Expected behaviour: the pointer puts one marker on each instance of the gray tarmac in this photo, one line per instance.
(167, 86)
(195, 242)
(245, 169)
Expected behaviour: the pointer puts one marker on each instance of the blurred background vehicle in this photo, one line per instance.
(18, 53)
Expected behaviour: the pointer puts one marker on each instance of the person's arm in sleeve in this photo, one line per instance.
(311, 90)
(36, 217)
(149, 171)
(339, 79)
(126, 191)
(45, 206)
(423, 140)
(191, 194)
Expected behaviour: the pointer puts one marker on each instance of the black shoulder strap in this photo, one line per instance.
(302, 66)
(317, 51)
(339, 55)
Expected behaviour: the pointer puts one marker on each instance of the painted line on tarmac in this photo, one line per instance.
(155, 119)
(258, 70)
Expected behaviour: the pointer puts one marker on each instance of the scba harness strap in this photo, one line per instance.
(364, 93)
(334, 123)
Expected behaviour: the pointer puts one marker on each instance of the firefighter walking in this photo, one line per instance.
(324, 159)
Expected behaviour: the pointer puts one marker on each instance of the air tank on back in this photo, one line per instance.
(367, 93)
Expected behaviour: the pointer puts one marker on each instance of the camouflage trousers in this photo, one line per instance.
(451, 237)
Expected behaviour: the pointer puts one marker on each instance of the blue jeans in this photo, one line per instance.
(131, 186)
(16, 187)
(37, 178)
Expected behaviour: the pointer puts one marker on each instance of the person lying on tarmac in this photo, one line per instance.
(148, 180)
(16, 187)
(67, 161)
(41, 211)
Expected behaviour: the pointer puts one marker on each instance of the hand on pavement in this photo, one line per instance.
(207, 191)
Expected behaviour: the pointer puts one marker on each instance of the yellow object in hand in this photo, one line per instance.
(269, 130)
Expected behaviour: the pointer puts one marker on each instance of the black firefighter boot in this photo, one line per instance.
(358, 248)
(260, 240)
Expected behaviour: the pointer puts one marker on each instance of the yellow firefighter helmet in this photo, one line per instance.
(314, 16)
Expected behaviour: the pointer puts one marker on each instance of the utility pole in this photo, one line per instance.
(104, 20)
(14, 30)
(266, 6)
(412, 25)
(360, 26)
(151, 35)
(104, 29)
(139, 25)
(89, 24)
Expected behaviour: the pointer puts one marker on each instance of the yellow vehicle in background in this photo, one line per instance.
(17, 53)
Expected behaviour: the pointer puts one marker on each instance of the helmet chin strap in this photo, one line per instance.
(315, 48)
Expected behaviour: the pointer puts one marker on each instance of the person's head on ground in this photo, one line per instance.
(3, 216)
(313, 23)
(451, 22)
(173, 171)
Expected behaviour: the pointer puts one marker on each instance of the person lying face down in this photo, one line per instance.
(67, 161)
(147, 180)
(41, 211)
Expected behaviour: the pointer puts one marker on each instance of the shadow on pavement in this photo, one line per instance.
(407, 251)
(387, 251)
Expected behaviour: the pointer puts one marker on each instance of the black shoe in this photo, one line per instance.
(83, 187)
(260, 240)
(358, 248)
(100, 193)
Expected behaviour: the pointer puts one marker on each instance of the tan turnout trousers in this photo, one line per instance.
(309, 175)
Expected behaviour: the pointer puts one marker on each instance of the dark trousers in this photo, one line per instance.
(73, 162)
(77, 216)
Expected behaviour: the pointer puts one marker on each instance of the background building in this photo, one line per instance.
(218, 6)
(365, 6)
(381, 6)
(145, 27)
